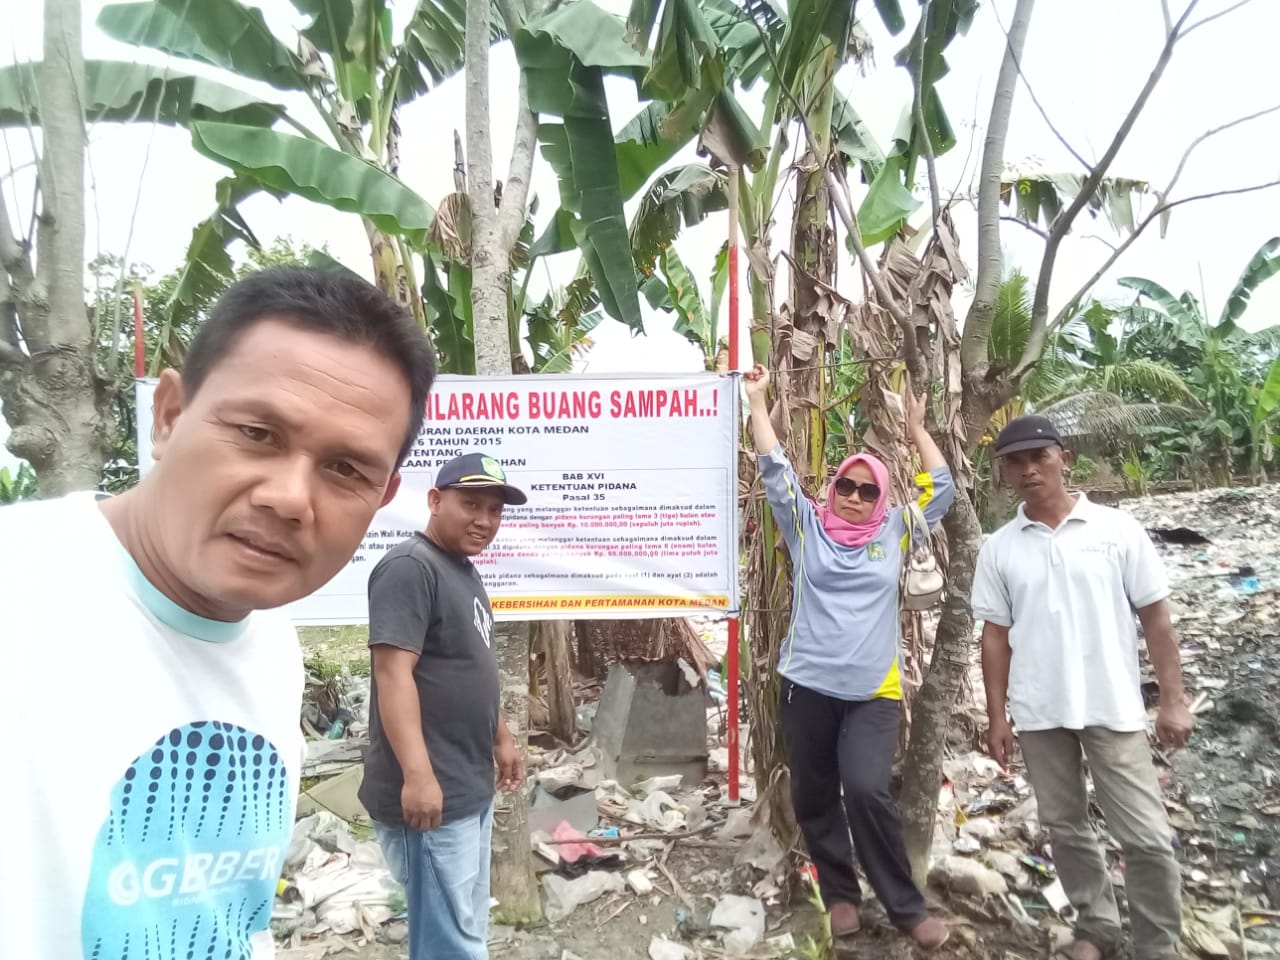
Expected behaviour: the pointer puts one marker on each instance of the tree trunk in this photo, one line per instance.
(513, 883)
(490, 287)
(52, 394)
(931, 708)
(495, 229)
(563, 722)
(588, 665)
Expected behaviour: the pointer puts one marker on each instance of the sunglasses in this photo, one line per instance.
(867, 492)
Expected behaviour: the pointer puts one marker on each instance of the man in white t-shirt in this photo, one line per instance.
(151, 791)
(1058, 587)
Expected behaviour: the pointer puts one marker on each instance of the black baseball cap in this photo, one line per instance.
(1026, 433)
(472, 470)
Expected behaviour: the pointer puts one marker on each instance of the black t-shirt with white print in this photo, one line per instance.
(423, 599)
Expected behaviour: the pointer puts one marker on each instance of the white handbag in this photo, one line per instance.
(922, 581)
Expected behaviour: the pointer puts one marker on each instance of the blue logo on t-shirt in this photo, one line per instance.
(187, 862)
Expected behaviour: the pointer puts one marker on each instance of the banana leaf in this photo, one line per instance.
(318, 172)
(119, 92)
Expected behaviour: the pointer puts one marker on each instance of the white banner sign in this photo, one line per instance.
(632, 485)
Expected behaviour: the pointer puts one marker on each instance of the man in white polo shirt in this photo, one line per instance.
(1058, 587)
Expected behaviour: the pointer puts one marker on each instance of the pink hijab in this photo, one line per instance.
(856, 534)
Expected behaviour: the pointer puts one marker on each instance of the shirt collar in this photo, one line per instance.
(171, 614)
(1082, 511)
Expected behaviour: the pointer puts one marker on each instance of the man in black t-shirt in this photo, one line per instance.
(436, 733)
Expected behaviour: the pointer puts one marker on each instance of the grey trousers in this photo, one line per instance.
(1124, 781)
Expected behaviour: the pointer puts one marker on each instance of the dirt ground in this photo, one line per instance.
(1222, 549)
(623, 926)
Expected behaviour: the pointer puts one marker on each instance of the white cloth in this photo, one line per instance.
(152, 761)
(1068, 597)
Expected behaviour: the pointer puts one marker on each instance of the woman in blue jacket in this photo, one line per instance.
(841, 707)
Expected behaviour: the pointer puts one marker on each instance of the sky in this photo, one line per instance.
(1085, 62)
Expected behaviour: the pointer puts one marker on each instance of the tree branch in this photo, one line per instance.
(1161, 208)
(479, 145)
(926, 144)
(1038, 333)
(11, 356)
(1221, 193)
(16, 280)
(1044, 114)
(1027, 226)
(1069, 310)
(1212, 17)
(515, 194)
(977, 325)
(15, 260)
(59, 281)
(1186, 154)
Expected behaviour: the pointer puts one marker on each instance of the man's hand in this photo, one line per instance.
(422, 802)
(1174, 723)
(510, 766)
(756, 381)
(1000, 740)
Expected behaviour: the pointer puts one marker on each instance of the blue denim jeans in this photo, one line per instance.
(445, 873)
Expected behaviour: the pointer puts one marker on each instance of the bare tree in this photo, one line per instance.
(48, 380)
(986, 385)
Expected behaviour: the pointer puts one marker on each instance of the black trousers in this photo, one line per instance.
(839, 744)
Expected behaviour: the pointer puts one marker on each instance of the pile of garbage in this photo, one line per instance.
(624, 855)
(335, 883)
(1222, 552)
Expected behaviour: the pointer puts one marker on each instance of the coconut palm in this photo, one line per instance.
(1087, 384)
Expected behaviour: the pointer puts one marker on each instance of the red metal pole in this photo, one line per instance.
(139, 340)
(731, 681)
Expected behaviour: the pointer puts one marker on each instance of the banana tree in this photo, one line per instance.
(355, 80)
(1225, 365)
(702, 53)
(1264, 414)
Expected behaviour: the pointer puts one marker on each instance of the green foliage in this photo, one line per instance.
(1084, 470)
(221, 33)
(822, 947)
(1269, 396)
(306, 168)
(565, 55)
(847, 380)
(118, 92)
(1135, 475)
(20, 485)
(166, 333)
(560, 332)
(1226, 370)
(1037, 198)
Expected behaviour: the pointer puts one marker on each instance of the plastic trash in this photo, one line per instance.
(565, 896)
(660, 948)
(743, 917)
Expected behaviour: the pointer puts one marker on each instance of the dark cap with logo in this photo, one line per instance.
(478, 471)
(1026, 433)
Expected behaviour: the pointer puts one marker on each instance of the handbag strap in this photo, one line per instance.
(917, 525)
